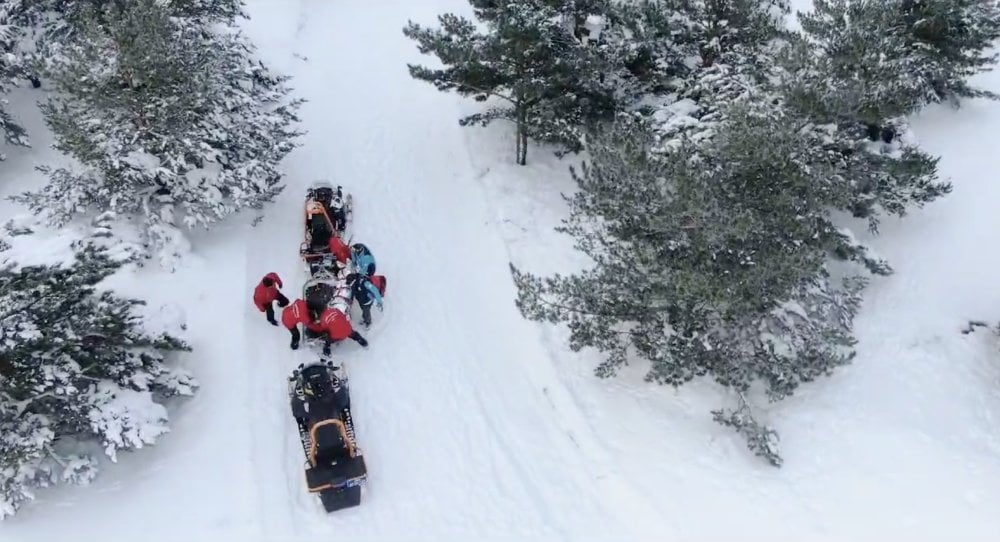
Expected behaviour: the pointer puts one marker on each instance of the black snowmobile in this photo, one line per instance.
(321, 406)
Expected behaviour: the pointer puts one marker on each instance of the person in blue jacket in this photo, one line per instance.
(362, 259)
(366, 294)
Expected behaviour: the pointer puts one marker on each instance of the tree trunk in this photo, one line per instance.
(522, 134)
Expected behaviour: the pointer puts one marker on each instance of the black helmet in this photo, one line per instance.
(356, 247)
(351, 278)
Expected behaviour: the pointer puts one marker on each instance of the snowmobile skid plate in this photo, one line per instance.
(335, 469)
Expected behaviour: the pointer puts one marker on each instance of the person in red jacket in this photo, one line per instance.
(337, 328)
(267, 293)
(301, 313)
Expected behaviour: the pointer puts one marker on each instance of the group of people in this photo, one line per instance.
(315, 316)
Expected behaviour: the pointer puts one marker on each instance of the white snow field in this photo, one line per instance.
(479, 425)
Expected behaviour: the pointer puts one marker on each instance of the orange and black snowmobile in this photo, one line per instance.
(321, 405)
(328, 212)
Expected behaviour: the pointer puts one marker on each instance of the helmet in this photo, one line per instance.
(352, 278)
(356, 248)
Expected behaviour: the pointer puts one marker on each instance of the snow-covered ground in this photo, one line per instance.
(478, 425)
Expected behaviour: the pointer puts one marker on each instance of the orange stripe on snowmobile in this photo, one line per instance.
(343, 434)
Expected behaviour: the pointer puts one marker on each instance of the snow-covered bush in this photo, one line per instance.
(170, 120)
(527, 57)
(78, 366)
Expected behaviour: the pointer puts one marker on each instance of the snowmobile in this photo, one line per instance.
(328, 212)
(329, 291)
(321, 405)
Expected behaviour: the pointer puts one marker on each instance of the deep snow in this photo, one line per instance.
(479, 425)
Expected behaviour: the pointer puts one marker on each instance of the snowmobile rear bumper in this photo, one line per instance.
(339, 485)
(340, 499)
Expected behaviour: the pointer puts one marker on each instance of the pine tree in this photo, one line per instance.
(889, 174)
(955, 35)
(700, 55)
(871, 61)
(171, 121)
(528, 59)
(11, 69)
(710, 259)
(77, 367)
(59, 19)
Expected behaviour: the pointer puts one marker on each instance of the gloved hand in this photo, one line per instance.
(283, 302)
(295, 344)
(380, 307)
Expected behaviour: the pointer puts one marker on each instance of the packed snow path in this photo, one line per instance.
(451, 400)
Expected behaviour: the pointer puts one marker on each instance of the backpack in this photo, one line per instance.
(379, 282)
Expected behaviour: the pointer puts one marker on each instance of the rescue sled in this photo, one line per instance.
(329, 291)
(321, 405)
(328, 212)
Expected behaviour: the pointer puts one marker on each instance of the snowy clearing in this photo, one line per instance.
(477, 424)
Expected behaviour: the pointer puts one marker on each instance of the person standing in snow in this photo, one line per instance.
(299, 312)
(362, 259)
(366, 294)
(337, 328)
(266, 293)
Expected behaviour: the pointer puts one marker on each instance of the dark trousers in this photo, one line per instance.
(366, 314)
(269, 311)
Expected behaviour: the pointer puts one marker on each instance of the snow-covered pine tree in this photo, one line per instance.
(719, 27)
(710, 259)
(61, 18)
(697, 56)
(171, 121)
(889, 173)
(545, 81)
(650, 40)
(875, 60)
(755, 65)
(955, 35)
(11, 69)
(78, 371)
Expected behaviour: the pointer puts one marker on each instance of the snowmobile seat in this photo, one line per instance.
(329, 442)
(320, 231)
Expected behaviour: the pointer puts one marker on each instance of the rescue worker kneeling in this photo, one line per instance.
(320, 320)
